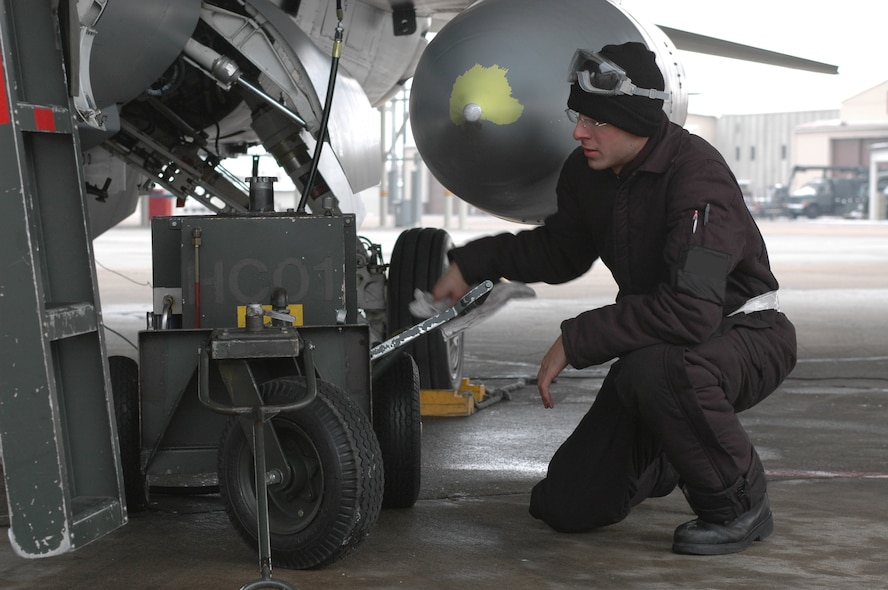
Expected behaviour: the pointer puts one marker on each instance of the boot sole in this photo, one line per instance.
(759, 533)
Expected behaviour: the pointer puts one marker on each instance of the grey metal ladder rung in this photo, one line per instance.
(69, 320)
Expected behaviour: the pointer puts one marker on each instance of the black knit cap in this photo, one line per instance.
(639, 115)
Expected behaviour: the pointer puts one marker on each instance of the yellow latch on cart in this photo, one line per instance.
(294, 309)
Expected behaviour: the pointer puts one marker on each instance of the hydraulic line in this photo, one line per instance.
(328, 103)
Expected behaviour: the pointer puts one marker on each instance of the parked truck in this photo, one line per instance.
(845, 197)
(839, 190)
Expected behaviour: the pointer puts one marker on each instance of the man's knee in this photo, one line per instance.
(566, 512)
(645, 372)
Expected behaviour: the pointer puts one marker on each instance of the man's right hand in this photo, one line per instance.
(553, 363)
(451, 286)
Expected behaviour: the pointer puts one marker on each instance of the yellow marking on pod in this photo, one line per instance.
(489, 89)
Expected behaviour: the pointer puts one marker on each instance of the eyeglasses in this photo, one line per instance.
(586, 122)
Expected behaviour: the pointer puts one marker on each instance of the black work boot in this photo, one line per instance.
(699, 537)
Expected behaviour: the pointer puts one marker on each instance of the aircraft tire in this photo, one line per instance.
(334, 498)
(398, 424)
(124, 373)
(418, 260)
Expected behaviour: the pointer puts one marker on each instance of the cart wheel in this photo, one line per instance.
(333, 499)
(398, 425)
(419, 258)
(125, 389)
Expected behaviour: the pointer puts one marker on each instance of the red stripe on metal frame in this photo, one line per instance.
(4, 105)
(44, 119)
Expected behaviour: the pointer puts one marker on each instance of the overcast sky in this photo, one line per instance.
(852, 34)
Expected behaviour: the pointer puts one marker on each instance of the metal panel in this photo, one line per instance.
(342, 358)
(178, 434)
(313, 258)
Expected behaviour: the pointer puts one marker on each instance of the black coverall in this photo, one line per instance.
(685, 253)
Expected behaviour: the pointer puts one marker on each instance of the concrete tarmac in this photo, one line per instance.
(822, 436)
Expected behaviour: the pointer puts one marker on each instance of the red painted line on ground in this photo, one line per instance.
(814, 474)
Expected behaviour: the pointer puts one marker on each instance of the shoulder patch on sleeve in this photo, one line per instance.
(703, 273)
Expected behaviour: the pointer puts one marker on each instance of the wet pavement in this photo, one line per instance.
(823, 438)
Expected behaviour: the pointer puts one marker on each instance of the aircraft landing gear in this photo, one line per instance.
(419, 258)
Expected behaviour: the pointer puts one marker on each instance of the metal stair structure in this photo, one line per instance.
(58, 434)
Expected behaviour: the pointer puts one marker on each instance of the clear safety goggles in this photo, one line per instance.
(599, 75)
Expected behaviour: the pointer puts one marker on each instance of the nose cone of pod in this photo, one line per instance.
(489, 127)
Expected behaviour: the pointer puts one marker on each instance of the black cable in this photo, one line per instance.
(322, 132)
(121, 275)
(113, 331)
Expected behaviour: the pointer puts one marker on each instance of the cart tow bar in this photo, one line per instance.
(474, 297)
(261, 414)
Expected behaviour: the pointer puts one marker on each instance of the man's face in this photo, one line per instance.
(606, 146)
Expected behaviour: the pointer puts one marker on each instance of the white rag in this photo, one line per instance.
(424, 306)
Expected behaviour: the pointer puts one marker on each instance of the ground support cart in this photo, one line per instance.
(209, 273)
